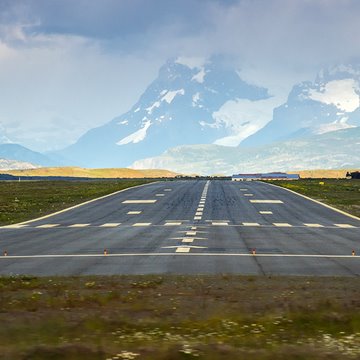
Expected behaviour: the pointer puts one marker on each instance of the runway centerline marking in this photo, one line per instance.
(265, 212)
(141, 224)
(160, 195)
(258, 201)
(134, 212)
(79, 225)
(139, 201)
(248, 194)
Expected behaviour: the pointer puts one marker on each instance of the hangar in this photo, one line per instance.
(265, 176)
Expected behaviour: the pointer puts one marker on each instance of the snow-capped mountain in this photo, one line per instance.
(6, 164)
(330, 103)
(22, 154)
(179, 107)
(332, 150)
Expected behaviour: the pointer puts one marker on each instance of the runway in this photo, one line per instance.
(188, 227)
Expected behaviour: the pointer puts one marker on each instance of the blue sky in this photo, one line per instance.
(67, 66)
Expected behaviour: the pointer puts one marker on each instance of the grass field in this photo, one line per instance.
(20, 201)
(342, 194)
(74, 171)
(178, 317)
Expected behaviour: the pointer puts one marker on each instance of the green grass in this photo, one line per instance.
(179, 317)
(342, 194)
(21, 201)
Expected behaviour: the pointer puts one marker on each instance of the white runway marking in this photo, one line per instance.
(160, 195)
(187, 240)
(198, 213)
(15, 226)
(197, 217)
(182, 249)
(139, 201)
(110, 225)
(141, 224)
(248, 194)
(219, 223)
(167, 189)
(314, 225)
(79, 225)
(250, 224)
(190, 233)
(282, 225)
(243, 189)
(134, 212)
(266, 201)
(9, 257)
(173, 223)
(348, 226)
(47, 226)
(265, 212)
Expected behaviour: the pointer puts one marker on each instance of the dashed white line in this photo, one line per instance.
(173, 223)
(348, 226)
(265, 212)
(141, 224)
(282, 225)
(47, 226)
(314, 225)
(266, 201)
(110, 225)
(139, 201)
(79, 225)
(134, 212)
(250, 224)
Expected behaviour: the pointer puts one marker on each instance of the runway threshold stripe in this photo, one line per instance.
(9, 257)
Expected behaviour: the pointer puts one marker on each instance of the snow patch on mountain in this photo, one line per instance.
(334, 126)
(136, 136)
(200, 76)
(341, 93)
(6, 164)
(244, 117)
(170, 95)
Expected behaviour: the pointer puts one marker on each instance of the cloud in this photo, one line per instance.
(83, 62)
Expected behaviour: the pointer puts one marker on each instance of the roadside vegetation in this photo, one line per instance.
(343, 194)
(26, 200)
(179, 317)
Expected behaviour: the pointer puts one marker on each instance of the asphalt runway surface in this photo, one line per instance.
(188, 227)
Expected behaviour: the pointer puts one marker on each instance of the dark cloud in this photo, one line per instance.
(109, 18)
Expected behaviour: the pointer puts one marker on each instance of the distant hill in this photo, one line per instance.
(23, 154)
(93, 173)
(333, 150)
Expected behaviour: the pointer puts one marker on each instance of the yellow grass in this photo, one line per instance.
(92, 173)
(319, 173)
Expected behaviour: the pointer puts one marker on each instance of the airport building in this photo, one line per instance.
(265, 176)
